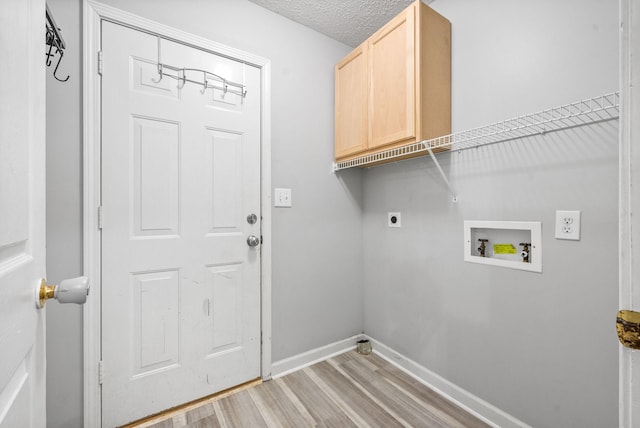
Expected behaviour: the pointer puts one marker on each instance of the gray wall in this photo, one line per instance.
(64, 221)
(541, 347)
(317, 264)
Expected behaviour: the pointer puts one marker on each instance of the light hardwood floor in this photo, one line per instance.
(349, 390)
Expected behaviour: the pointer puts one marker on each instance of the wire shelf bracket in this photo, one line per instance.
(590, 111)
(454, 195)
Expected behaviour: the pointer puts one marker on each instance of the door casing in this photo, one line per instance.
(629, 232)
(94, 14)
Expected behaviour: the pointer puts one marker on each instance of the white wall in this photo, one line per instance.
(541, 347)
(317, 265)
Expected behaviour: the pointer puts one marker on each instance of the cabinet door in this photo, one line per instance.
(392, 97)
(351, 103)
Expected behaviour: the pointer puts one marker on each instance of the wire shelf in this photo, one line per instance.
(580, 113)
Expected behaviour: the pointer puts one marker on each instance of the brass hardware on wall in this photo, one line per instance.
(483, 247)
(628, 326)
(525, 251)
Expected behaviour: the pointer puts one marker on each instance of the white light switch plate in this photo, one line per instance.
(282, 197)
(568, 225)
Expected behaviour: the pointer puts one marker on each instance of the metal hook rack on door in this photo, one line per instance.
(181, 75)
(54, 40)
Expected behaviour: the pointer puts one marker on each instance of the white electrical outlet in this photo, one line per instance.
(394, 220)
(568, 225)
(282, 198)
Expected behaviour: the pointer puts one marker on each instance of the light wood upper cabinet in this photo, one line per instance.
(406, 84)
(351, 121)
(392, 94)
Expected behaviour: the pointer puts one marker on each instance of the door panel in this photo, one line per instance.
(352, 102)
(156, 172)
(22, 213)
(224, 177)
(156, 338)
(180, 174)
(392, 101)
(224, 283)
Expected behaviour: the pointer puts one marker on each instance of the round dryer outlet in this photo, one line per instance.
(394, 219)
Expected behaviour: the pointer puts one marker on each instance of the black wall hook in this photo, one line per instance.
(55, 71)
(54, 40)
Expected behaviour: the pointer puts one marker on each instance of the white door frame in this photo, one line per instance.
(94, 13)
(629, 227)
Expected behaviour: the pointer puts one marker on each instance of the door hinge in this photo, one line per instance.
(100, 217)
(100, 63)
(100, 372)
(260, 239)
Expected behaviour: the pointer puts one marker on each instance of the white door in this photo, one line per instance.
(22, 212)
(180, 181)
(629, 203)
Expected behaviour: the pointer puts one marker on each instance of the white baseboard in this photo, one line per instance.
(291, 364)
(474, 405)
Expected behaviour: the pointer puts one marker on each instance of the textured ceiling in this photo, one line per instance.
(348, 21)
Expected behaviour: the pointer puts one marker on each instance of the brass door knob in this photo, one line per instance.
(74, 290)
(45, 292)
